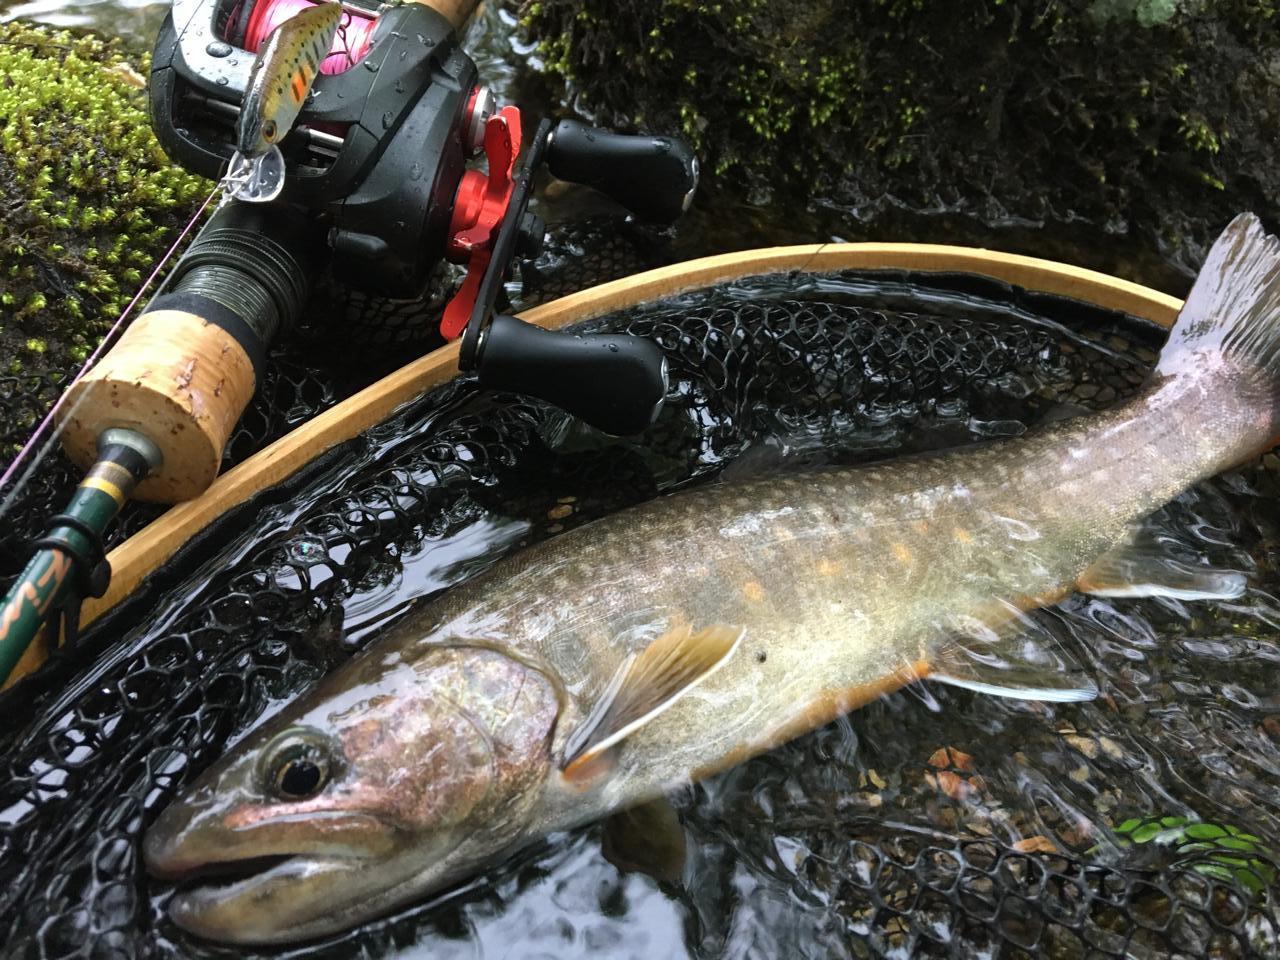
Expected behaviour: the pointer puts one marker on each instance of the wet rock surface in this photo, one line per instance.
(1121, 135)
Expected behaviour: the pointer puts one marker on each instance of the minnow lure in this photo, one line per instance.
(282, 75)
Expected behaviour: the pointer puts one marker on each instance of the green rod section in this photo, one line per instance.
(43, 584)
(51, 574)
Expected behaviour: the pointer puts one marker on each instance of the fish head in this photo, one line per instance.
(392, 779)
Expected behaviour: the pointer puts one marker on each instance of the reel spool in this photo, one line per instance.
(377, 192)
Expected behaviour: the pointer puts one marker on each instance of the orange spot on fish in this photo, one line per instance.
(828, 568)
(921, 526)
(963, 535)
(753, 591)
(902, 552)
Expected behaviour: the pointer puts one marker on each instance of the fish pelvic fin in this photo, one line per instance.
(1021, 659)
(1018, 683)
(647, 685)
(647, 839)
(1232, 312)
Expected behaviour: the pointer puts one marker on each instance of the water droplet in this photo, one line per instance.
(222, 81)
(218, 49)
(387, 118)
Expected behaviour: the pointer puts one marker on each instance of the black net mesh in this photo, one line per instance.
(934, 822)
(311, 369)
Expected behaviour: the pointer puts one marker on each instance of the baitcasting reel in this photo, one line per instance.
(377, 165)
(376, 189)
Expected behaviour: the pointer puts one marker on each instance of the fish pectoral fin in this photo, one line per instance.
(647, 839)
(648, 684)
(1140, 567)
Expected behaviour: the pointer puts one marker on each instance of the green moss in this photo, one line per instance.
(86, 189)
(1147, 13)
(1160, 117)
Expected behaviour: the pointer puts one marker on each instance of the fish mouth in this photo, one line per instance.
(219, 872)
(263, 899)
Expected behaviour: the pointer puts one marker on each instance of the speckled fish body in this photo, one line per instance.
(445, 744)
(285, 68)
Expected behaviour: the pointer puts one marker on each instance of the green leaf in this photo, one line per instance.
(1219, 845)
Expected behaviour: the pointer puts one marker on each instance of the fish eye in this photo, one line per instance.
(269, 130)
(298, 765)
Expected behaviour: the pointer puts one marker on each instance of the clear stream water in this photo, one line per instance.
(909, 826)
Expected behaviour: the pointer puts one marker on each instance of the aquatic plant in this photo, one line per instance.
(90, 200)
(1156, 119)
(1221, 850)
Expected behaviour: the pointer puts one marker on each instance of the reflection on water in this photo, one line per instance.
(135, 21)
(933, 820)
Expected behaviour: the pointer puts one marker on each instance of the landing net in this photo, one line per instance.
(932, 823)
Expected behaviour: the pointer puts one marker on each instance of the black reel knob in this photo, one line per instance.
(653, 177)
(614, 382)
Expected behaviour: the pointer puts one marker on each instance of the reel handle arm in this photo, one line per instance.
(653, 177)
(612, 381)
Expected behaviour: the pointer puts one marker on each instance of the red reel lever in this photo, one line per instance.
(480, 207)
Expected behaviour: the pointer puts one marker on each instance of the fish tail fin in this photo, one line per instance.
(1229, 329)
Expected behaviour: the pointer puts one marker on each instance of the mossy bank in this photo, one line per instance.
(1139, 123)
(89, 200)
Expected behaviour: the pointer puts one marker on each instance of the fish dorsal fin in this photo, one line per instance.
(1139, 566)
(648, 684)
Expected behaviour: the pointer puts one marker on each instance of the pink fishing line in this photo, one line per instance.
(352, 42)
(93, 357)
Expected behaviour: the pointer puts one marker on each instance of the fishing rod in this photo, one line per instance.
(374, 180)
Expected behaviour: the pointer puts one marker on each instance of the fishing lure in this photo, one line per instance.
(282, 75)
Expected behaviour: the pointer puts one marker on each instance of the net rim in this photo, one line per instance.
(134, 560)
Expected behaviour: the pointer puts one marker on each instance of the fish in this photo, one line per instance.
(596, 671)
(282, 76)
